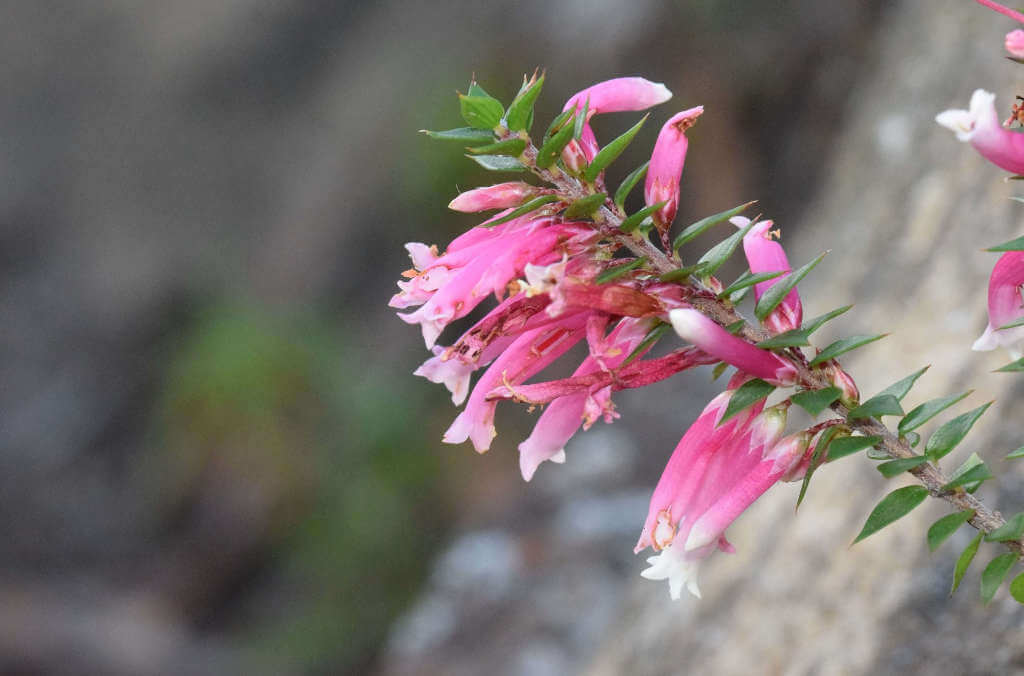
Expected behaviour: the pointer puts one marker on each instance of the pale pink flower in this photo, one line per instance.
(500, 196)
(1004, 305)
(980, 127)
(694, 327)
(1015, 43)
(613, 96)
(666, 167)
(764, 254)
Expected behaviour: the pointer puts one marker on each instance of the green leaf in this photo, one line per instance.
(584, 207)
(465, 135)
(973, 471)
(481, 112)
(899, 466)
(812, 325)
(698, 228)
(877, 406)
(841, 448)
(946, 526)
(747, 280)
(912, 438)
(611, 152)
(629, 183)
(552, 147)
(650, 339)
(900, 388)
(681, 273)
(1012, 325)
(994, 574)
(581, 119)
(720, 253)
(532, 205)
(558, 122)
(946, 438)
(512, 147)
(719, 369)
(844, 345)
(476, 90)
(801, 337)
(820, 451)
(736, 327)
(630, 223)
(1011, 530)
(816, 401)
(928, 410)
(1017, 588)
(897, 504)
(1012, 245)
(776, 293)
(964, 561)
(619, 270)
(1013, 455)
(1012, 367)
(498, 162)
(745, 396)
(520, 111)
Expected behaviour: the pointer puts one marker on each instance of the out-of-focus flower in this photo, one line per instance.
(1004, 305)
(764, 254)
(980, 127)
(1006, 11)
(666, 167)
(1015, 43)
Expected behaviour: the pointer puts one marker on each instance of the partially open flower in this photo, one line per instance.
(764, 254)
(980, 127)
(613, 96)
(1005, 305)
(666, 168)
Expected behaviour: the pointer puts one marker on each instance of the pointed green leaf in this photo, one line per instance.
(897, 504)
(900, 388)
(719, 369)
(946, 526)
(629, 183)
(844, 345)
(481, 112)
(812, 325)
(513, 147)
(900, 465)
(630, 223)
(611, 152)
(1012, 325)
(584, 207)
(619, 270)
(1017, 588)
(747, 280)
(558, 123)
(946, 438)
(650, 339)
(520, 111)
(1012, 245)
(776, 293)
(551, 149)
(877, 406)
(1019, 453)
(816, 401)
(745, 396)
(994, 574)
(964, 561)
(681, 273)
(698, 228)
(970, 475)
(532, 205)
(928, 410)
(476, 90)
(581, 119)
(1011, 530)
(466, 135)
(720, 253)
(801, 337)
(1012, 367)
(912, 438)
(736, 327)
(497, 162)
(841, 448)
(820, 451)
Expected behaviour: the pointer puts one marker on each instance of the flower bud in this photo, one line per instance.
(666, 168)
(850, 395)
(500, 196)
(1015, 43)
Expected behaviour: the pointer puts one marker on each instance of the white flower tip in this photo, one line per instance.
(661, 92)
(958, 121)
(559, 457)
(686, 322)
(986, 342)
(699, 537)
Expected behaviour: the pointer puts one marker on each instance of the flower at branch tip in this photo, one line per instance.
(1015, 43)
(613, 96)
(666, 168)
(705, 333)
(764, 254)
(980, 127)
(1005, 305)
(500, 196)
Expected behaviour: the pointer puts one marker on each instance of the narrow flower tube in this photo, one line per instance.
(980, 127)
(614, 96)
(702, 331)
(500, 196)
(1005, 305)
(764, 254)
(1015, 44)
(1005, 11)
(666, 167)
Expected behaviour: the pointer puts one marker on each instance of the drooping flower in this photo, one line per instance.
(1005, 305)
(980, 127)
(666, 167)
(500, 196)
(702, 331)
(1015, 43)
(612, 96)
(764, 254)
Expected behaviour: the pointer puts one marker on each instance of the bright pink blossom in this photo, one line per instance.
(980, 127)
(1006, 11)
(1005, 305)
(705, 333)
(500, 196)
(614, 96)
(764, 254)
(666, 167)
(1015, 43)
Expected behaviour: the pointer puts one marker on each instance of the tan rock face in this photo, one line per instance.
(905, 211)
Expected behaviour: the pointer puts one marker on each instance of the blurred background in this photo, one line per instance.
(215, 457)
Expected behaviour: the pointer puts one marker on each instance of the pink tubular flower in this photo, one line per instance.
(703, 332)
(666, 168)
(1006, 11)
(764, 254)
(1015, 44)
(613, 96)
(500, 196)
(715, 472)
(980, 127)
(1004, 305)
